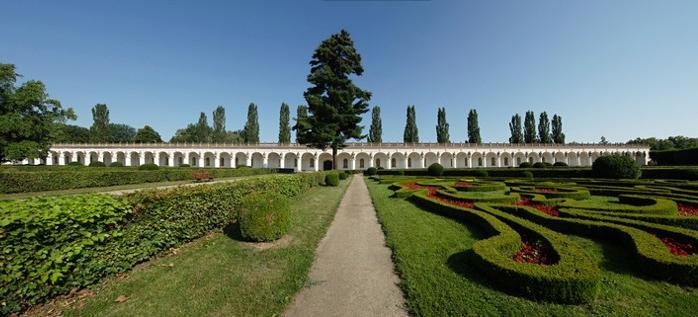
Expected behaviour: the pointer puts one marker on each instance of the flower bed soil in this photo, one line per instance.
(533, 251)
(688, 210)
(548, 209)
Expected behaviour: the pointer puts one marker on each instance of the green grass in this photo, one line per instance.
(220, 276)
(429, 252)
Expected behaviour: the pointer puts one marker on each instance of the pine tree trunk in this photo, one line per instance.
(334, 157)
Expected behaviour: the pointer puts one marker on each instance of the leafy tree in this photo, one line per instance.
(411, 133)
(68, 133)
(530, 128)
(121, 133)
(284, 127)
(544, 128)
(251, 130)
(671, 143)
(147, 135)
(473, 128)
(375, 132)
(202, 131)
(558, 136)
(100, 123)
(28, 117)
(442, 127)
(235, 137)
(218, 134)
(335, 104)
(603, 140)
(301, 114)
(515, 128)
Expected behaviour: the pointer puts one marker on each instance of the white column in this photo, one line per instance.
(127, 159)
(248, 159)
(370, 160)
(61, 158)
(352, 163)
(217, 160)
(201, 160)
(469, 160)
(170, 159)
(156, 158)
(316, 160)
(499, 160)
(282, 160)
(49, 159)
(141, 158)
(404, 160)
(299, 162)
(265, 160)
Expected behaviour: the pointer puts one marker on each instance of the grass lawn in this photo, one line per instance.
(220, 276)
(429, 249)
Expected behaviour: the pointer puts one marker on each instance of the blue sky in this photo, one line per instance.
(621, 69)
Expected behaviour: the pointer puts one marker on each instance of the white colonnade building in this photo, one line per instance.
(355, 156)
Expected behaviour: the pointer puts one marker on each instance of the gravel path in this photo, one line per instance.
(353, 273)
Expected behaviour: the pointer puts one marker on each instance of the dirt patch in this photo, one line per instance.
(280, 243)
(56, 306)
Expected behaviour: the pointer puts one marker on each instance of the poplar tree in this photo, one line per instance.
(558, 135)
(530, 128)
(411, 134)
(301, 114)
(442, 127)
(515, 128)
(202, 131)
(251, 129)
(284, 128)
(375, 133)
(100, 123)
(335, 104)
(473, 128)
(219, 134)
(544, 128)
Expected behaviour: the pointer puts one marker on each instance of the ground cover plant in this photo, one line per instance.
(553, 248)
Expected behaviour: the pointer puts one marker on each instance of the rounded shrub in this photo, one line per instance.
(560, 164)
(526, 174)
(343, 175)
(371, 171)
(539, 165)
(525, 165)
(97, 164)
(184, 165)
(264, 216)
(435, 170)
(332, 179)
(116, 164)
(148, 167)
(480, 173)
(615, 166)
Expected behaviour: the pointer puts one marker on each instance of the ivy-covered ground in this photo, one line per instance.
(520, 247)
(216, 275)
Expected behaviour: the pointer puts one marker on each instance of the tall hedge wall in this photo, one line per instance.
(675, 157)
(51, 245)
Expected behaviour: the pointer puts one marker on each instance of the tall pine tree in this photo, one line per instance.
(219, 134)
(411, 134)
(284, 128)
(558, 135)
(515, 128)
(100, 123)
(251, 129)
(442, 135)
(375, 132)
(544, 128)
(530, 128)
(473, 128)
(335, 104)
(301, 114)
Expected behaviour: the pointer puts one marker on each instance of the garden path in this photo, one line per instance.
(353, 273)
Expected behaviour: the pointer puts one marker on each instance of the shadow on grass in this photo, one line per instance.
(232, 231)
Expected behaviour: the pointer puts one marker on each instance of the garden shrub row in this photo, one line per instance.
(52, 245)
(676, 157)
(669, 220)
(630, 204)
(682, 173)
(13, 181)
(651, 256)
(576, 193)
(572, 278)
(666, 225)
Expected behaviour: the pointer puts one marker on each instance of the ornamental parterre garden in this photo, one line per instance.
(493, 246)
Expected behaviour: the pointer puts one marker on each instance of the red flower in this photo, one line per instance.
(546, 190)
(688, 210)
(548, 209)
(533, 252)
(463, 184)
(677, 247)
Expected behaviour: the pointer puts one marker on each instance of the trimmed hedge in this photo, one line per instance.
(569, 172)
(332, 179)
(631, 204)
(675, 157)
(616, 166)
(148, 167)
(264, 216)
(343, 175)
(371, 171)
(51, 245)
(435, 169)
(116, 164)
(97, 164)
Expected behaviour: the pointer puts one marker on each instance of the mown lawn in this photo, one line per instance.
(429, 249)
(220, 276)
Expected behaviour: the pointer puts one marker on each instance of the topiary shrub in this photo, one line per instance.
(371, 171)
(526, 174)
(148, 167)
(481, 173)
(560, 164)
(538, 165)
(97, 164)
(264, 216)
(332, 179)
(116, 164)
(435, 170)
(343, 175)
(525, 165)
(615, 166)
(184, 165)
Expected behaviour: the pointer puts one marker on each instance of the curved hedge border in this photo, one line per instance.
(669, 220)
(631, 204)
(572, 279)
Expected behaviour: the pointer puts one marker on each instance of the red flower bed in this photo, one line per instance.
(533, 252)
(677, 247)
(688, 210)
(450, 201)
(463, 184)
(548, 209)
(546, 190)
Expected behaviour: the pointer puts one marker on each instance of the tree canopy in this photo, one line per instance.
(411, 134)
(515, 128)
(218, 134)
(147, 135)
(558, 135)
(442, 135)
(251, 130)
(530, 128)
(284, 127)
(375, 132)
(335, 103)
(544, 128)
(473, 128)
(99, 131)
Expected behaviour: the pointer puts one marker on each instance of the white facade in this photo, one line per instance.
(355, 156)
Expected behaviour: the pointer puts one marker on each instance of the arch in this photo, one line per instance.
(149, 157)
(54, 158)
(446, 160)
(107, 158)
(380, 160)
(506, 160)
(593, 156)
(560, 157)
(324, 158)
(547, 157)
(241, 159)
(414, 160)
(120, 157)
(92, 157)
(163, 159)
(533, 157)
(430, 158)
(397, 160)
(461, 160)
(179, 158)
(519, 158)
(257, 160)
(491, 159)
(362, 161)
(273, 160)
(225, 159)
(343, 161)
(572, 159)
(291, 160)
(477, 160)
(308, 162)
(193, 159)
(584, 159)
(134, 158)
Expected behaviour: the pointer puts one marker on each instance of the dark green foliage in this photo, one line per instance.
(335, 103)
(670, 173)
(530, 128)
(301, 114)
(97, 164)
(411, 134)
(371, 171)
(525, 165)
(332, 179)
(264, 216)
(74, 164)
(676, 157)
(435, 169)
(121, 133)
(515, 129)
(343, 175)
(558, 136)
(148, 167)
(526, 174)
(616, 166)
(219, 134)
(560, 164)
(53, 245)
(671, 143)
(375, 132)
(184, 165)
(442, 135)
(544, 129)
(284, 127)
(147, 135)
(116, 164)
(539, 165)
(473, 128)
(99, 131)
(68, 133)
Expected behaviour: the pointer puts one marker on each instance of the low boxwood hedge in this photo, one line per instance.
(332, 179)
(264, 216)
(631, 204)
